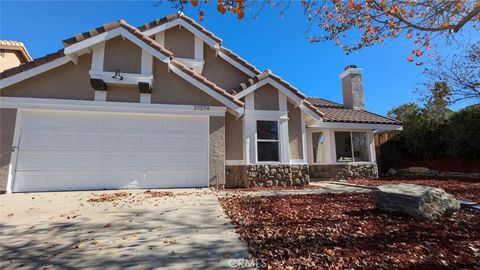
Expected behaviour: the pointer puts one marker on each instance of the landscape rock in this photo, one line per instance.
(421, 202)
(392, 171)
(419, 170)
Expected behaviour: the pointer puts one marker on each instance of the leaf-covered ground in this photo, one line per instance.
(463, 189)
(344, 231)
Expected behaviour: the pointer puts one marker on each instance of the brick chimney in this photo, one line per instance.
(352, 88)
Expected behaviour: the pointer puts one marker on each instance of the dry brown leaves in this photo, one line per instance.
(109, 197)
(339, 231)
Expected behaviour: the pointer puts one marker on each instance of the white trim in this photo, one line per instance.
(356, 126)
(275, 84)
(182, 23)
(311, 113)
(14, 154)
(304, 138)
(98, 56)
(113, 107)
(100, 95)
(250, 102)
(33, 71)
(237, 108)
(196, 65)
(234, 162)
(128, 78)
(263, 114)
(120, 31)
(198, 53)
(236, 64)
(147, 63)
(160, 38)
(282, 102)
(351, 71)
(297, 162)
(145, 98)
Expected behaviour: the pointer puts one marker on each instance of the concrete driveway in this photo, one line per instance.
(139, 230)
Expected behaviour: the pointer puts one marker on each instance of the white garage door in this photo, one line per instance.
(83, 151)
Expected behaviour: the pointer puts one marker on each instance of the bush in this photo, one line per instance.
(464, 127)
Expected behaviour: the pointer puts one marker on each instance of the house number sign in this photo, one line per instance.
(201, 107)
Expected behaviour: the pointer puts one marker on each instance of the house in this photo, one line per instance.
(12, 54)
(166, 105)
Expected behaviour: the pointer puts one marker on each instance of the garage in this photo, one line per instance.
(69, 150)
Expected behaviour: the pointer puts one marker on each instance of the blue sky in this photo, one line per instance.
(267, 42)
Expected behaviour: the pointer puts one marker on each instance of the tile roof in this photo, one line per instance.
(205, 81)
(110, 26)
(133, 30)
(268, 74)
(240, 60)
(17, 46)
(335, 112)
(31, 64)
(175, 16)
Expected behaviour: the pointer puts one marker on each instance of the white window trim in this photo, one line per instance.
(257, 140)
(371, 154)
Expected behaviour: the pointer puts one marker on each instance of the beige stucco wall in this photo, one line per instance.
(266, 98)
(295, 132)
(180, 42)
(122, 54)
(169, 88)
(123, 94)
(68, 81)
(233, 137)
(8, 59)
(217, 151)
(7, 127)
(220, 71)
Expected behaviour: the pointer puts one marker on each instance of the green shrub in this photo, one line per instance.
(464, 127)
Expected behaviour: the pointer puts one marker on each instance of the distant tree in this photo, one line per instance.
(366, 22)
(460, 73)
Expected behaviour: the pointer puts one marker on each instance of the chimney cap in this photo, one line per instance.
(350, 66)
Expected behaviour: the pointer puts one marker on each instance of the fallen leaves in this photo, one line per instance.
(338, 231)
(108, 197)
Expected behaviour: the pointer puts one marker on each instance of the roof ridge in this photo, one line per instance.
(17, 45)
(179, 15)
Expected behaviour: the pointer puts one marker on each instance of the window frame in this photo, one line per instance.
(312, 146)
(257, 140)
(352, 150)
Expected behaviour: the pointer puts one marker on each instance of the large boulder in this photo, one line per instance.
(421, 202)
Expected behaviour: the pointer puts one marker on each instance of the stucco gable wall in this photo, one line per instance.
(220, 71)
(122, 54)
(266, 98)
(180, 42)
(68, 81)
(8, 59)
(169, 88)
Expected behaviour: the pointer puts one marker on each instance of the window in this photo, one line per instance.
(267, 141)
(318, 147)
(351, 146)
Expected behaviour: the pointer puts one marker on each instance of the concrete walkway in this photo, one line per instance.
(317, 188)
(63, 231)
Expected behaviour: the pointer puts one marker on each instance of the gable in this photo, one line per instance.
(170, 88)
(180, 42)
(68, 81)
(122, 54)
(266, 98)
(220, 71)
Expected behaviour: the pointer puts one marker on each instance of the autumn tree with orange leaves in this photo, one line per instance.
(370, 21)
(356, 24)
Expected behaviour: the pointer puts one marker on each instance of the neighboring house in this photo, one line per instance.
(12, 54)
(166, 105)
